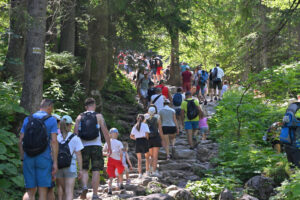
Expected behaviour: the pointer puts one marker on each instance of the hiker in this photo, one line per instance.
(169, 127)
(167, 72)
(190, 112)
(272, 135)
(164, 90)
(151, 91)
(121, 62)
(202, 80)
(158, 99)
(125, 160)
(89, 126)
(224, 88)
(153, 68)
(159, 67)
(178, 98)
(217, 75)
(203, 126)
(114, 159)
(152, 119)
(143, 86)
(186, 79)
(140, 133)
(38, 151)
(70, 147)
(210, 86)
(183, 67)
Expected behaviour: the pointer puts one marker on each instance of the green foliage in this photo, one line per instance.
(11, 180)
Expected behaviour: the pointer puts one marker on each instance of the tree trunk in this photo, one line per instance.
(35, 55)
(264, 31)
(67, 34)
(175, 78)
(14, 62)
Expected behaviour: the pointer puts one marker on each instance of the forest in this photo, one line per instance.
(66, 50)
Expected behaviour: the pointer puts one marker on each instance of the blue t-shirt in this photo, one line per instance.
(51, 125)
(183, 68)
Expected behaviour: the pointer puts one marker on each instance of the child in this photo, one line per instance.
(203, 126)
(115, 159)
(224, 88)
(125, 160)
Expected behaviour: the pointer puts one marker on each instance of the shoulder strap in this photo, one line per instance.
(156, 99)
(70, 138)
(46, 117)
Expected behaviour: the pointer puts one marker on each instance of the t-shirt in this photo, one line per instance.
(95, 142)
(75, 145)
(203, 122)
(164, 90)
(166, 116)
(116, 148)
(145, 83)
(143, 130)
(186, 76)
(159, 102)
(183, 68)
(51, 126)
(184, 107)
(224, 89)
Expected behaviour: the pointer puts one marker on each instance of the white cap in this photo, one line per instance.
(56, 116)
(113, 130)
(187, 67)
(67, 119)
(151, 110)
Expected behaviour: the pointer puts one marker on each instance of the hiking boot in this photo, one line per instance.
(83, 193)
(109, 192)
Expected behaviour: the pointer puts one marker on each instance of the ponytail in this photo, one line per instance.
(64, 127)
(140, 119)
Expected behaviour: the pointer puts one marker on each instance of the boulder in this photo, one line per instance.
(139, 190)
(181, 194)
(260, 187)
(248, 197)
(226, 195)
(184, 154)
(206, 152)
(162, 155)
(176, 166)
(171, 188)
(154, 187)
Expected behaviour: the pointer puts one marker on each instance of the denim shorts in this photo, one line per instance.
(66, 173)
(191, 125)
(203, 130)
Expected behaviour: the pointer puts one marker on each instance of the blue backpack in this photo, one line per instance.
(177, 99)
(203, 78)
(290, 131)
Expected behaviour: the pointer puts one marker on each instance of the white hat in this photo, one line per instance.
(113, 130)
(187, 67)
(56, 116)
(67, 119)
(151, 110)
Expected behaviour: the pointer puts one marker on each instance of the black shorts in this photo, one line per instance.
(217, 84)
(141, 145)
(178, 111)
(155, 142)
(169, 130)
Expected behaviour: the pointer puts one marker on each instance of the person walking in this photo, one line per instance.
(38, 151)
(203, 126)
(140, 133)
(202, 81)
(164, 90)
(169, 127)
(143, 86)
(89, 126)
(156, 139)
(65, 177)
(178, 98)
(217, 75)
(158, 99)
(190, 112)
(186, 79)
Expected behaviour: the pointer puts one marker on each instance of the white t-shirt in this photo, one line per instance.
(94, 142)
(159, 102)
(75, 145)
(143, 130)
(224, 89)
(116, 148)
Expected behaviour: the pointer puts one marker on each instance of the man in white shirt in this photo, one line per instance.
(217, 75)
(158, 99)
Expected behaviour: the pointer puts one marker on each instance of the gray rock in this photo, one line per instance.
(184, 154)
(176, 166)
(171, 188)
(192, 178)
(154, 187)
(206, 152)
(181, 194)
(162, 155)
(153, 197)
(248, 197)
(226, 195)
(139, 190)
(260, 187)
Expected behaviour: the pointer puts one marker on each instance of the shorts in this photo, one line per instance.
(155, 142)
(191, 125)
(217, 84)
(202, 88)
(112, 165)
(178, 111)
(66, 173)
(141, 145)
(144, 93)
(37, 171)
(203, 130)
(126, 170)
(186, 86)
(153, 70)
(93, 155)
(158, 70)
(210, 85)
(169, 130)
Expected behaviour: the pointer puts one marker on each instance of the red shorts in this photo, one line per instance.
(186, 87)
(112, 165)
(158, 70)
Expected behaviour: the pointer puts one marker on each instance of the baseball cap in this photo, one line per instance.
(151, 110)
(167, 101)
(113, 130)
(188, 93)
(67, 119)
(57, 117)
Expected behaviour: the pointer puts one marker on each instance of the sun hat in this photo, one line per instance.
(67, 119)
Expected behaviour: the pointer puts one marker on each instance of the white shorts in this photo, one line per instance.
(144, 93)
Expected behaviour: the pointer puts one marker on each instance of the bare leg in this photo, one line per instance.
(60, 188)
(139, 157)
(69, 188)
(26, 196)
(95, 182)
(110, 183)
(43, 191)
(190, 138)
(166, 138)
(147, 161)
(121, 179)
(154, 157)
(172, 138)
(50, 195)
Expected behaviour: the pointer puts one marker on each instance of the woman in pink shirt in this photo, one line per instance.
(203, 126)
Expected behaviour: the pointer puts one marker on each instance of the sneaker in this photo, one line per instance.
(168, 158)
(121, 187)
(211, 100)
(205, 102)
(109, 192)
(128, 182)
(140, 176)
(148, 173)
(216, 98)
(83, 193)
(156, 174)
(95, 197)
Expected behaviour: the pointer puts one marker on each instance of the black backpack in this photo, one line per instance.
(192, 110)
(64, 157)
(88, 126)
(153, 127)
(36, 138)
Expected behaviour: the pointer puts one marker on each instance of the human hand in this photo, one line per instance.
(79, 174)
(130, 168)
(54, 170)
(109, 151)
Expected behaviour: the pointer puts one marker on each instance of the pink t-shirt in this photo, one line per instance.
(203, 122)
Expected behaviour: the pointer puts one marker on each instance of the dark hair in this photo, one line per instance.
(225, 82)
(140, 119)
(179, 89)
(46, 103)
(166, 103)
(154, 106)
(89, 102)
(217, 64)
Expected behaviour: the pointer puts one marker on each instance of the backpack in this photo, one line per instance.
(177, 99)
(203, 78)
(64, 156)
(192, 110)
(153, 127)
(89, 128)
(215, 73)
(36, 138)
(290, 130)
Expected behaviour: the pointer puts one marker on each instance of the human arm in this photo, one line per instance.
(176, 123)
(79, 163)
(21, 146)
(104, 151)
(105, 132)
(54, 148)
(161, 134)
(132, 137)
(77, 122)
(128, 160)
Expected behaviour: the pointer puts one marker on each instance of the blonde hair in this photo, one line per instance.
(125, 146)
(64, 127)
